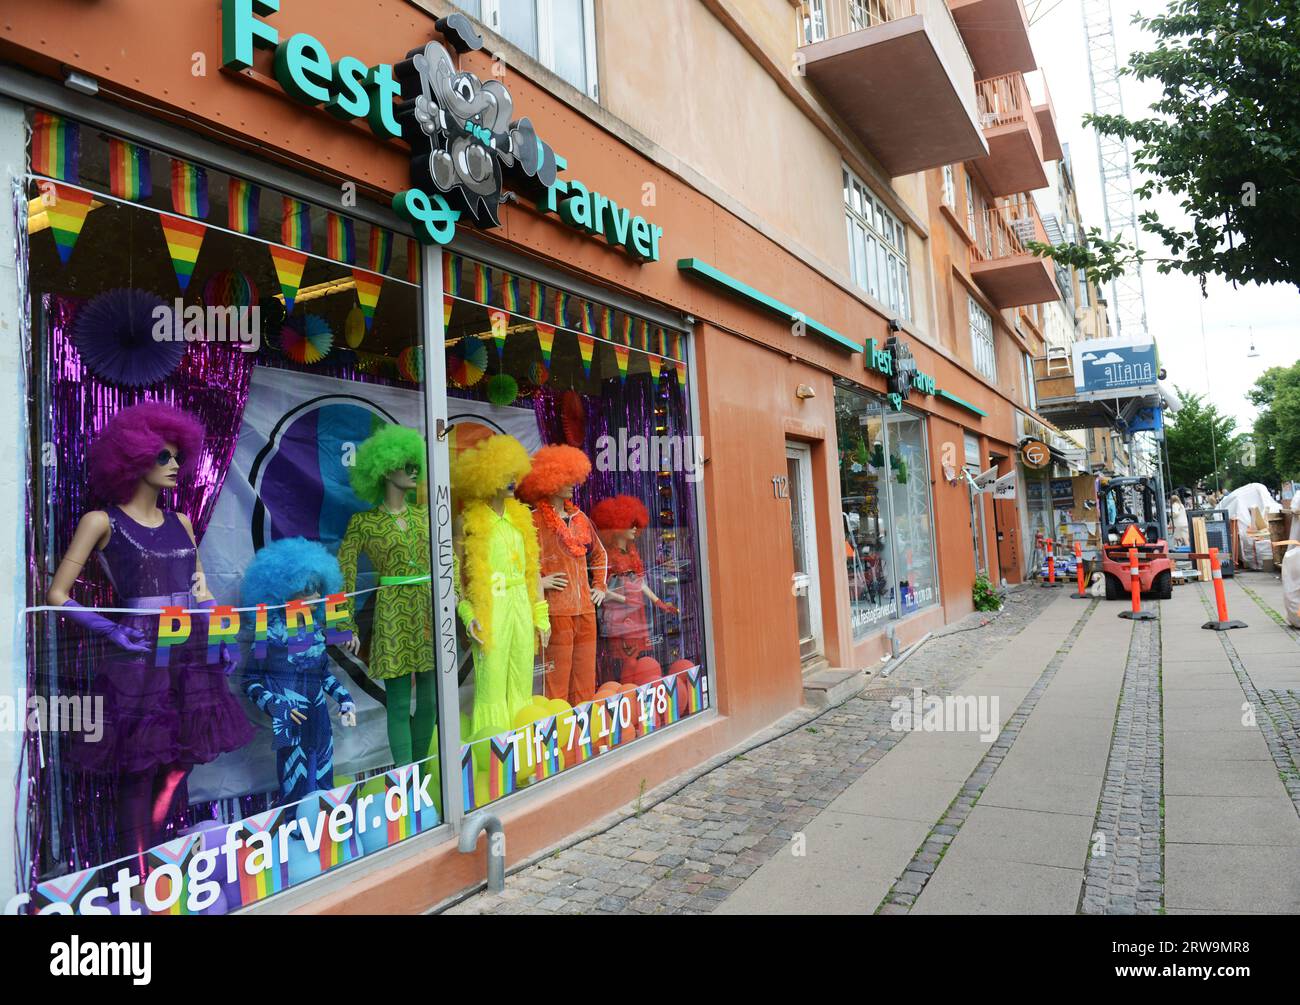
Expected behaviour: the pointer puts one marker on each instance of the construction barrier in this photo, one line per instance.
(1135, 589)
(1051, 583)
(1078, 569)
(1220, 598)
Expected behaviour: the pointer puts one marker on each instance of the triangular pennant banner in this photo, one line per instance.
(368, 286)
(500, 328)
(546, 339)
(184, 238)
(656, 364)
(288, 269)
(67, 215)
(621, 354)
(587, 347)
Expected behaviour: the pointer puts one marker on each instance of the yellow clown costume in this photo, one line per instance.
(497, 580)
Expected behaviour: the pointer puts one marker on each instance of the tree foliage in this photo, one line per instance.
(1224, 140)
(1196, 437)
(1277, 428)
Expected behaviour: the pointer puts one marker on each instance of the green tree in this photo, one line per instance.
(1224, 140)
(1277, 426)
(1195, 437)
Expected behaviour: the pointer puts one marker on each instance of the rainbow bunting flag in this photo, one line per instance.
(467, 775)
(675, 345)
(447, 304)
(587, 317)
(536, 300)
(621, 354)
(661, 340)
(510, 292)
(656, 364)
(340, 238)
(412, 260)
(288, 269)
(482, 283)
(129, 174)
(625, 330)
(56, 147)
(243, 200)
(368, 286)
(643, 333)
(500, 322)
(501, 766)
(184, 238)
(189, 189)
(606, 324)
(676, 689)
(381, 249)
(546, 339)
(560, 308)
(67, 215)
(451, 268)
(295, 224)
(679, 371)
(587, 347)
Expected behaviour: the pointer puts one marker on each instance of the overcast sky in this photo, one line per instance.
(1173, 302)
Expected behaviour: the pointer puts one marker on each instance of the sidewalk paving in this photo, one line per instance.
(1140, 767)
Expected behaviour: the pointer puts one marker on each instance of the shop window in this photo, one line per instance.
(598, 398)
(226, 408)
(559, 34)
(885, 509)
(981, 337)
(877, 247)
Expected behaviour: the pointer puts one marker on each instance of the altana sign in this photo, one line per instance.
(894, 359)
(461, 129)
(1115, 367)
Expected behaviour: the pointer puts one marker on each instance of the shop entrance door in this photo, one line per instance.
(803, 533)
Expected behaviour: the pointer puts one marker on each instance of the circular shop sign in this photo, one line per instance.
(1035, 454)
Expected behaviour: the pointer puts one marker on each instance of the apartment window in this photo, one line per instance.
(1031, 391)
(949, 187)
(877, 247)
(970, 208)
(981, 338)
(559, 34)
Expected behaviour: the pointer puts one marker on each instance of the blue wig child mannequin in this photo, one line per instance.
(291, 678)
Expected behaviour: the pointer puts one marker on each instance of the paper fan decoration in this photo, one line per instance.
(306, 341)
(229, 288)
(573, 417)
(502, 389)
(538, 374)
(467, 361)
(354, 328)
(410, 364)
(113, 333)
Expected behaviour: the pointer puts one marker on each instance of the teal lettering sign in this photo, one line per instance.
(894, 360)
(460, 129)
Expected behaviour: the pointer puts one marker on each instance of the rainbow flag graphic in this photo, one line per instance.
(643, 334)
(587, 317)
(656, 364)
(581, 749)
(259, 632)
(451, 269)
(223, 626)
(510, 292)
(501, 765)
(381, 249)
(675, 345)
(621, 355)
(467, 775)
(184, 238)
(587, 347)
(243, 199)
(175, 853)
(679, 371)
(676, 689)
(625, 330)
(403, 827)
(368, 286)
(270, 874)
(340, 238)
(67, 215)
(606, 324)
(64, 889)
(551, 762)
(298, 620)
(500, 321)
(611, 723)
(412, 260)
(333, 852)
(189, 189)
(129, 173)
(482, 283)
(447, 304)
(295, 224)
(536, 300)
(560, 308)
(336, 615)
(645, 700)
(546, 339)
(56, 147)
(697, 690)
(289, 265)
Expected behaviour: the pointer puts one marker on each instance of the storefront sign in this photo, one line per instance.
(460, 129)
(1035, 454)
(1005, 487)
(894, 359)
(1115, 367)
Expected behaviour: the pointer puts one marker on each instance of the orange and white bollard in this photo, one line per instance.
(1078, 571)
(1135, 590)
(1220, 598)
(1051, 565)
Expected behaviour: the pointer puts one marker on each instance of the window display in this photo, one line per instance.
(228, 539)
(574, 467)
(886, 509)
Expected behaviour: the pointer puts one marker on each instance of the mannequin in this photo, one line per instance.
(291, 681)
(394, 535)
(625, 629)
(158, 721)
(496, 572)
(574, 569)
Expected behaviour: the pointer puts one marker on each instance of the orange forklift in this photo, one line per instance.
(1132, 515)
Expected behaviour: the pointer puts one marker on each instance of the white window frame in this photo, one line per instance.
(949, 187)
(546, 40)
(983, 351)
(970, 208)
(1031, 391)
(885, 247)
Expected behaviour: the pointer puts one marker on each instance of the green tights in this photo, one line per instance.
(409, 736)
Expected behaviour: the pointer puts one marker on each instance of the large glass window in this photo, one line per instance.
(885, 509)
(559, 34)
(877, 247)
(229, 537)
(579, 594)
(981, 339)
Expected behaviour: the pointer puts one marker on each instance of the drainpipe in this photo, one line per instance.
(470, 828)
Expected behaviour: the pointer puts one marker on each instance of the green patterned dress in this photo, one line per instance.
(402, 639)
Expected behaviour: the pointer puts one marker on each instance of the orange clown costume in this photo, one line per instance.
(569, 547)
(497, 581)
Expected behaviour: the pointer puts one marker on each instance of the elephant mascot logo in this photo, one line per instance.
(460, 129)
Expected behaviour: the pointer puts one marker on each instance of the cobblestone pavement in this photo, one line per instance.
(686, 853)
(1127, 876)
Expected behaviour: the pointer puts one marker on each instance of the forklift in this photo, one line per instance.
(1132, 515)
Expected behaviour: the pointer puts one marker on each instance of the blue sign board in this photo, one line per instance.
(1115, 367)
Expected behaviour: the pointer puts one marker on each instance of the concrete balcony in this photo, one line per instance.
(1009, 275)
(1015, 160)
(996, 33)
(1045, 113)
(897, 73)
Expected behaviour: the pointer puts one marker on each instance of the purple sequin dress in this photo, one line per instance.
(182, 714)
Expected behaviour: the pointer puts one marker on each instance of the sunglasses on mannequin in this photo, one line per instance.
(412, 470)
(165, 457)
